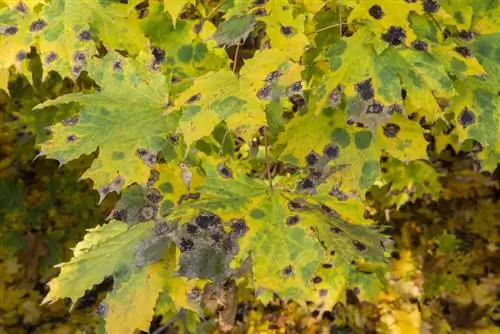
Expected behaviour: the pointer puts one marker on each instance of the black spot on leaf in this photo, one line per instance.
(37, 25)
(117, 66)
(158, 54)
(295, 205)
(206, 220)
(464, 51)
(288, 270)
(375, 108)
(466, 117)
(292, 220)
(264, 93)
(224, 171)
(71, 138)
(391, 130)
(323, 292)
(273, 76)
(21, 7)
(404, 93)
(331, 151)
(191, 229)
(197, 27)
(76, 70)
(335, 96)
(431, 6)
(73, 120)
(228, 245)
(174, 138)
(317, 280)
(327, 265)
(296, 87)
(306, 183)
(394, 108)
(351, 297)
(419, 45)
(120, 214)
(141, 152)
(84, 36)
(21, 55)
(336, 230)
(239, 227)
(286, 30)
(376, 12)
(394, 36)
(9, 31)
(216, 237)
(194, 98)
(154, 196)
(465, 35)
(79, 56)
(365, 89)
(50, 58)
(337, 193)
(312, 158)
(359, 246)
(186, 245)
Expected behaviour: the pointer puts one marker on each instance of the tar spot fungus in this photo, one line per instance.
(286, 30)
(391, 130)
(394, 36)
(37, 25)
(359, 246)
(336, 229)
(194, 98)
(419, 45)
(365, 89)
(224, 171)
(466, 117)
(84, 36)
(71, 138)
(431, 6)
(292, 220)
(50, 58)
(375, 108)
(464, 51)
(331, 151)
(376, 12)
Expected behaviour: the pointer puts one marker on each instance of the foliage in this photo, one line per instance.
(252, 141)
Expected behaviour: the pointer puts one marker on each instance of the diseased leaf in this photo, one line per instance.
(139, 124)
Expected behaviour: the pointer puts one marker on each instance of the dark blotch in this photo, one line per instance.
(391, 130)
(431, 6)
(312, 158)
(273, 76)
(376, 12)
(466, 117)
(84, 35)
(331, 151)
(186, 245)
(317, 280)
(239, 227)
(158, 54)
(205, 220)
(375, 108)
(419, 45)
(292, 220)
(192, 229)
(9, 31)
(286, 30)
(194, 98)
(50, 58)
(365, 89)
(288, 270)
(464, 51)
(394, 36)
(71, 138)
(359, 246)
(224, 171)
(37, 25)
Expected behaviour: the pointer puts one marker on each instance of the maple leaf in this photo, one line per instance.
(64, 31)
(104, 251)
(175, 7)
(353, 152)
(477, 117)
(274, 228)
(234, 30)
(222, 96)
(131, 108)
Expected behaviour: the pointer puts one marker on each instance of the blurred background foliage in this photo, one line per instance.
(444, 272)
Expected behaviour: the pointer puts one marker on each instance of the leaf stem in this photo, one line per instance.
(179, 315)
(327, 27)
(236, 56)
(268, 168)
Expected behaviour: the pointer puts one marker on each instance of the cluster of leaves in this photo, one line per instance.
(44, 210)
(243, 136)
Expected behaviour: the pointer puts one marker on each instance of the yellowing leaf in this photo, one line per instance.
(175, 7)
(131, 303)
(106, 250)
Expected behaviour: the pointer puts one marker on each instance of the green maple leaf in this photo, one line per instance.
(128, 115)
(275, 229)
(234, 30)
(104, 251)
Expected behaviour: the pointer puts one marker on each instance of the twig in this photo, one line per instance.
(170, 322)
(340, 17)
(268, 169)
(222, 142)
(215, 10)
